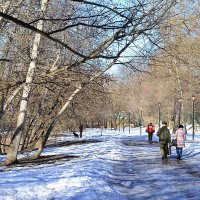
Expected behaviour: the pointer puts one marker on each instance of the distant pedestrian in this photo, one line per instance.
(150, 130)
(180, 137)
(164, 138)
(81, 130)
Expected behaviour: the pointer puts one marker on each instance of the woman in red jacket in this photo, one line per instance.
(150, 130)
(180, 136)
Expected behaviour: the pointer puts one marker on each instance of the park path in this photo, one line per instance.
(120, 167)
(134, 169)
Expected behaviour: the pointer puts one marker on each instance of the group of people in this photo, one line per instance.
(165, 139)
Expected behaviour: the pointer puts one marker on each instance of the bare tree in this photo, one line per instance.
(88, 33)
(12, 153)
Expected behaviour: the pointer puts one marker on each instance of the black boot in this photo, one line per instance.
(178, 157)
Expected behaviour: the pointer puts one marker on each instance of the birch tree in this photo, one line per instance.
(89, 32)
(12, 153)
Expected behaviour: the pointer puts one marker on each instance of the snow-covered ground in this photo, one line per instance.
(123, 166)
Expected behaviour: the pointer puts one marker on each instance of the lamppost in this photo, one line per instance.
(123, 120)
(193, 99)
(119, 121)
(115, 122)
(102, 124)
(129, 121)
(140, 121)
(159, 114)
(111, 122)
(179, 113)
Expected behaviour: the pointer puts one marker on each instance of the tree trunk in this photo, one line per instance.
(13, 149)
(51, 126)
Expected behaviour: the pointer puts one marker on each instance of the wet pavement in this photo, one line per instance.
(140, 173)
(117, 168)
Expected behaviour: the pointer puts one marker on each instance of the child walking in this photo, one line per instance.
(181, 137)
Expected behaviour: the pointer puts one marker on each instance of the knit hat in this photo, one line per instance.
(180, 126)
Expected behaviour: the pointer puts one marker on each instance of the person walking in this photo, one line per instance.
(150, 130)
(164, 139)
(81, 130)
(180, 137)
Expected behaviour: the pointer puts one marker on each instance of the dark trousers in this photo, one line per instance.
(150, 135)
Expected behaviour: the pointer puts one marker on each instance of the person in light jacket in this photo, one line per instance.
(181, 137)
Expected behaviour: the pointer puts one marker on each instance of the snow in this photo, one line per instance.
(122, 166)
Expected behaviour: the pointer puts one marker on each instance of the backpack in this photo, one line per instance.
(164, 134)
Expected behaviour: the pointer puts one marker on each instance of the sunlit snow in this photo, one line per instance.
(122, 166)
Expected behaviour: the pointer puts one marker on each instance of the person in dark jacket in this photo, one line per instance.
(164, 139)
(81, 130)
(150, 130)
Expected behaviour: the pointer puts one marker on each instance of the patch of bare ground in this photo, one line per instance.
(51, 159)
(139, 143)
(71, 142)
(48, 159)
